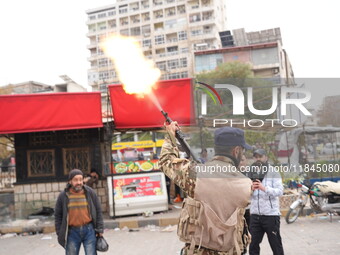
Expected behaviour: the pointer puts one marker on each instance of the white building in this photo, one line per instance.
(168, 30)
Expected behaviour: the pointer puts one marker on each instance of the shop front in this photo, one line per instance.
(136, 185)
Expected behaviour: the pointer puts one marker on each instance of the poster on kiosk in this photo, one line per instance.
(137, 185)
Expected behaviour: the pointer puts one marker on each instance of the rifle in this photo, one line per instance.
(180, 137)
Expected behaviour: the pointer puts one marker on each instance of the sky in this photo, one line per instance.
(42, 40)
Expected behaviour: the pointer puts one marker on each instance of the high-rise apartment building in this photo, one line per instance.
(169, 31)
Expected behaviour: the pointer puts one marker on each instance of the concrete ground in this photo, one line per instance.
(312, 235)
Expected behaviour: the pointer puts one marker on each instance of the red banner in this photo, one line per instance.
(50, 111)
(174, 96)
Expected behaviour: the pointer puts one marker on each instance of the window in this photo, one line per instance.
(112, 23)
(195, 18)
(113, 74)
(196, 32)
(103, 75)
(170, 24)
(92, 17)
(159, 39)
(102, 62)
(183, 62)
(145, 4)
(40, 163)
(170, 11)
(76, 158)
(123, 9)
(174, 76)
(124, 21)
(103, 87)
(182, 35)
(135, 31)
(155, 3)
(134, 7)
(181, 9)
(135, 19)
(184, 50)
(112, 13)
(92, 28)
(172, 49)
(101, 15)
(124, 32)
(184, 74)
(102, 26)
(161, 65)
(158, 14)
(146, 42)
(164, 77)
(146, 30)
(146, 16)
(173, 64)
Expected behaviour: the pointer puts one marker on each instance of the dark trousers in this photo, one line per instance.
(260, 224)
(168, 183)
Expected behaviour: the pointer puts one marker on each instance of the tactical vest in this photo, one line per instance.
(214, 218)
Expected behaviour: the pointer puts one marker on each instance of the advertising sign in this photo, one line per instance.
(135, 166)
(137, 193)
(138, 186)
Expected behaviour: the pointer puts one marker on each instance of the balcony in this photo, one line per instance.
(172, 40)
(171, 13)
(92, 45)
(92, 57)
(158, 16)
(173, 53)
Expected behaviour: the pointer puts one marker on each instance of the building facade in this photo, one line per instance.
(329, 112)
(30, 87)
(169, 31)
(262, 50)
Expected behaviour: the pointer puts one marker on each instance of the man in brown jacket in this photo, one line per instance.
(211, 221)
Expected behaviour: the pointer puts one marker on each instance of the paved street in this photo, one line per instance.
(311, 235)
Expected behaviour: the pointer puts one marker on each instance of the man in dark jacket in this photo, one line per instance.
(78, 216)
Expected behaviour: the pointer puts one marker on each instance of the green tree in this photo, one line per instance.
(263, 140)
(204, 138)
(6, 146)
(240, 75)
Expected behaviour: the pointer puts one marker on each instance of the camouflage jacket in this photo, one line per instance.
(182, 172)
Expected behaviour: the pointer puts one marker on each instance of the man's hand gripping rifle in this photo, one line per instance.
(180, 137)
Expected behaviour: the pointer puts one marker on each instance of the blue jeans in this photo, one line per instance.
(77, 235)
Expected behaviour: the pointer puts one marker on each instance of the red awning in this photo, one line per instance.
(175, 97)
(50, 111)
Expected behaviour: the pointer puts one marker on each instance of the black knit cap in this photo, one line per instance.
(73, 173)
